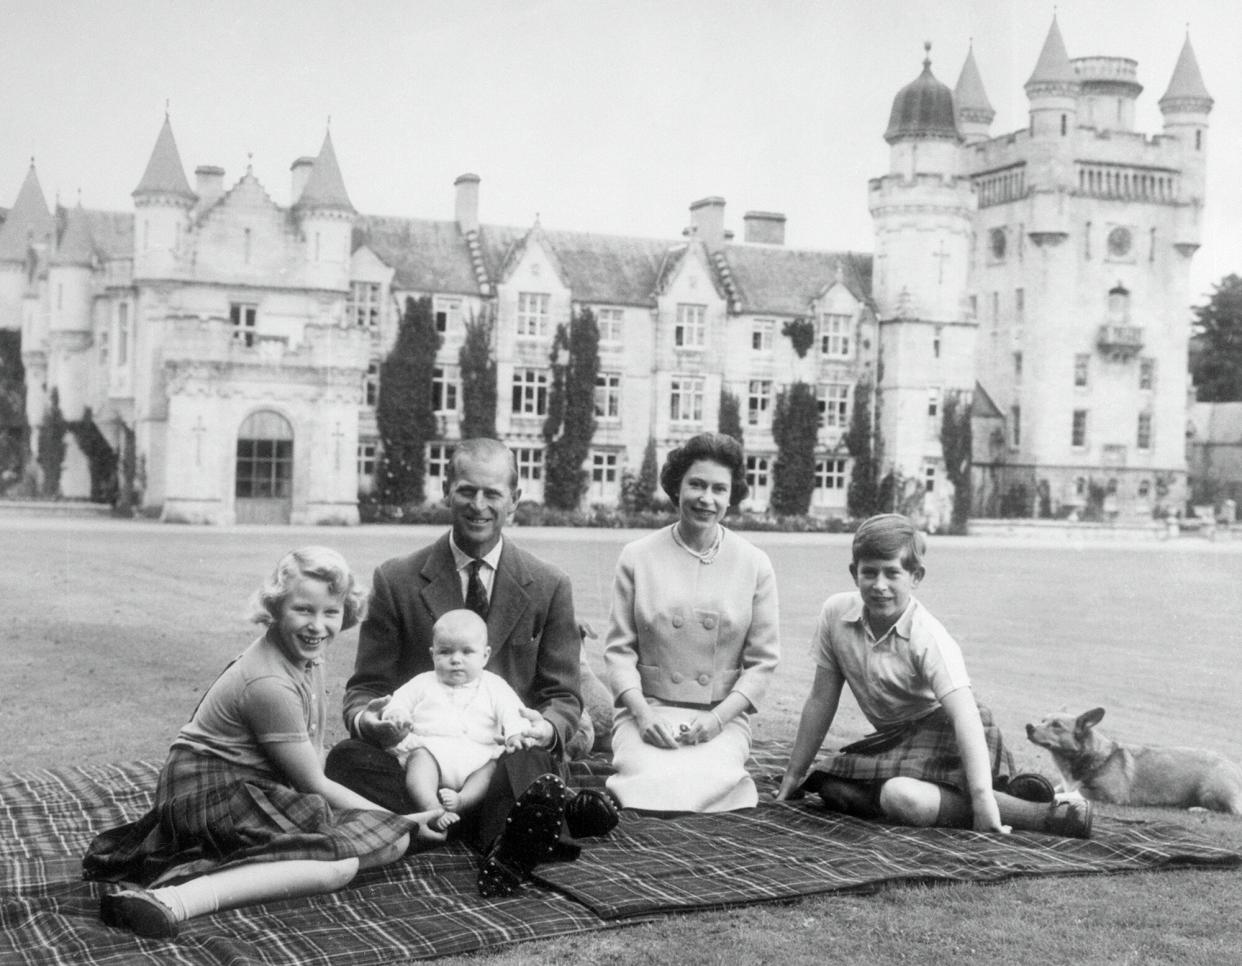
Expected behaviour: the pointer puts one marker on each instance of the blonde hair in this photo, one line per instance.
(315, 563)
(458, 624)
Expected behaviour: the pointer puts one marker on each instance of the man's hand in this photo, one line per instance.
(539, 730)
(373, 728)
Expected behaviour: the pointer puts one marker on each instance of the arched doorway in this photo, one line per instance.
(263, 490)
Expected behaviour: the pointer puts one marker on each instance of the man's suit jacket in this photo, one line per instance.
(531, 630)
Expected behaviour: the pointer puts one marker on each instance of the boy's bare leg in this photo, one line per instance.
(473, 789)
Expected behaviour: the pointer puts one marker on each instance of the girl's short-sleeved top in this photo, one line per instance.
(261, 698)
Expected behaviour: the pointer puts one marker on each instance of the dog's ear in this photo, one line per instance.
(1087, 720)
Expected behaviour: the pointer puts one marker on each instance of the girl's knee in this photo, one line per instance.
(384, 856)
(338, 874)
(909, 801)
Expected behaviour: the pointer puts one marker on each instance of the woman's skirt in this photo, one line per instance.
(708, 777)
(925, 749)
(210, 814)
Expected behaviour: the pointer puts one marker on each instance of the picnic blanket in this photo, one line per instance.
(428, 905)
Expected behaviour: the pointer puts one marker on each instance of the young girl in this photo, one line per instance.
(243, 812)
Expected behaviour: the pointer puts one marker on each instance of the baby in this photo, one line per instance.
(460, 717)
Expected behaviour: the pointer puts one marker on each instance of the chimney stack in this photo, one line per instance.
(299, 173)
(764, 227)
(209, 186)
(466, 207)
(707, 221)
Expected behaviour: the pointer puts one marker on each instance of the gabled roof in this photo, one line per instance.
(517, 251)
(1053, 66)
(968, 95)
(76, 246)
(983, 406)
(28, 220)
(325, 187)
(433, 256)
(786, 281)
(1186, 84)
(165, 174)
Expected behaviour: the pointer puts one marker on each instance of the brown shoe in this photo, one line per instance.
(1071, 819)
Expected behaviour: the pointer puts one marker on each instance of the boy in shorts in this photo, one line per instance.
(936, 758)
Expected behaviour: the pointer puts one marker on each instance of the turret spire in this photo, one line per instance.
(1053, 66)
(325, 187)
(1186, 88)
(165, 174)
(28, 220)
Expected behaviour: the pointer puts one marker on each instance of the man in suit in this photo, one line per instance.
(535, 643)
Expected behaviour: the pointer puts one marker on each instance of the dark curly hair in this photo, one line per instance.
(717, 447)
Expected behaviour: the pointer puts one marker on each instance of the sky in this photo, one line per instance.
(609, 116)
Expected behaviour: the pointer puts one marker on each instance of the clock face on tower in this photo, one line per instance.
(997, 242)
(1119, 242)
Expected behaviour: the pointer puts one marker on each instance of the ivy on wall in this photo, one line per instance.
(100, 457)
(801, 334)
(52, 446)
(730, 415)
(956, 443)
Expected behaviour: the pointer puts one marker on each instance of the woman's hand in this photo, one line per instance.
(704, 726)
(657, 730)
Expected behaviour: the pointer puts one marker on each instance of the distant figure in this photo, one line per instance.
(461, 718)
(693, 639)
(243, 812)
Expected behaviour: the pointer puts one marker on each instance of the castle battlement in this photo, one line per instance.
(216, 340)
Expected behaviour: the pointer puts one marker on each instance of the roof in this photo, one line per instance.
(112, 232)
(325, 187)
(165, 175)
(969, 95)
(923, 109)
(76, 246)
(1053, 66)
(433, 256)
(28, 219)
(1186, 84)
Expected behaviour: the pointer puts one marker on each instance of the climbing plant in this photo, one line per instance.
(730, 415)
(801, 334)
(14, 430)
(100, 457)
(956, 443)
(52, 445)
(862, 495)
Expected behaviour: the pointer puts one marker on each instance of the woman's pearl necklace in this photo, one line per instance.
(702, 556)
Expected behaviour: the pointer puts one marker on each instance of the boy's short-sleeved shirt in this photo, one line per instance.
(901, 675)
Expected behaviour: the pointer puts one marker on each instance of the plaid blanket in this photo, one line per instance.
(428, 906)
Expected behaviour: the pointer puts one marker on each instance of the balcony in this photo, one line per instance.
(1120, 340)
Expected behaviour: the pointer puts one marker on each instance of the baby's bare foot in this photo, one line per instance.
(445, 821)
(449, 799)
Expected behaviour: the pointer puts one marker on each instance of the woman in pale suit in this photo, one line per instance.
(693, 639)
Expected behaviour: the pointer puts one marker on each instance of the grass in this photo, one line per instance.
(114, 629)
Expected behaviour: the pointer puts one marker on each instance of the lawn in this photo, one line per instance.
(114, 628)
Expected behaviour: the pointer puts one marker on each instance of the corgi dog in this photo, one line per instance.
(1098, 768)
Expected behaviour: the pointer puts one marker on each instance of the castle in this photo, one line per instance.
(1042, 275)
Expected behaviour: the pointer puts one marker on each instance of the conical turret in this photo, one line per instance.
(974, 110)
(29, 222)
(326, 217)
(162, 203)
(165, 174)
(325, 187)
(1052, 89)
(1186, 106)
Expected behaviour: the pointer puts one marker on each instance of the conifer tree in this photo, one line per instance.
(52, 445)
(405, 413)
(14, 430)
(795, 427)
(730, 415)
(862, 495)
(570, 424)
(1216, 363)
(957, 442)
(478, 377)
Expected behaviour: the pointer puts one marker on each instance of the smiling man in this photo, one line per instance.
(535, 645)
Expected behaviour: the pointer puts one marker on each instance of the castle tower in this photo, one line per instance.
(162, 204)
(24, 237)
(922, 213)
(974, 110)
(1186, 106)
(326, 215)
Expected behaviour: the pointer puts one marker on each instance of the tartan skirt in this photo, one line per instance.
(926, 750)
(211, 814)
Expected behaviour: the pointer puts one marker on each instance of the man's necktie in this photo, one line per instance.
(476, 593)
